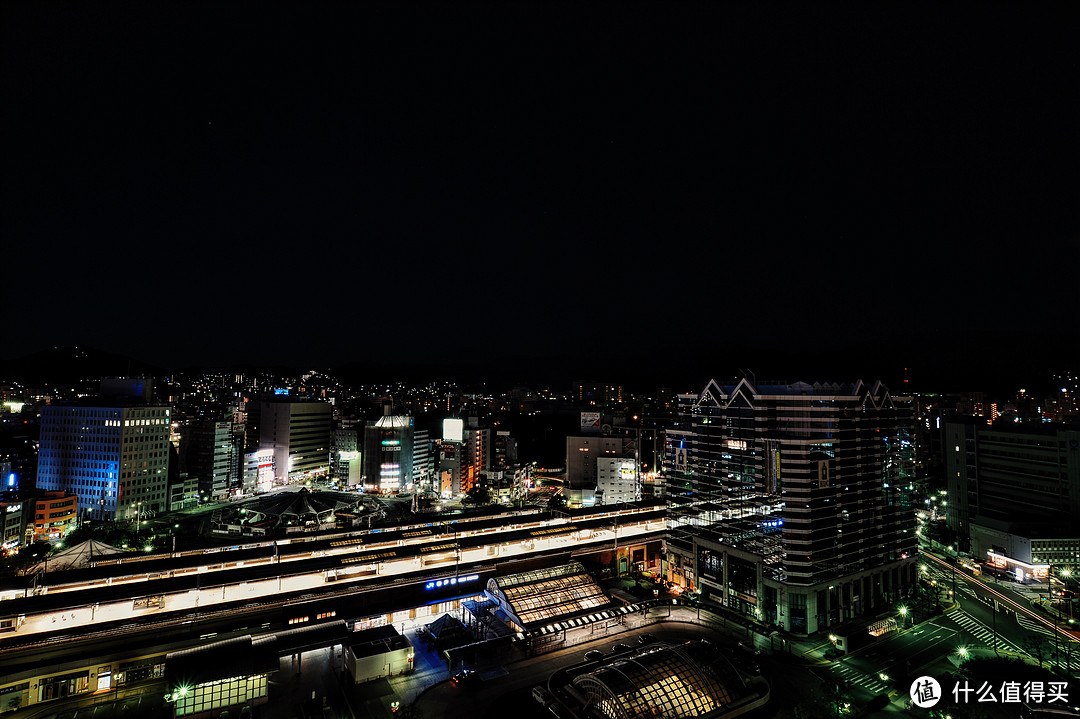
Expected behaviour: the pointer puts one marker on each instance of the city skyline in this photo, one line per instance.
(491, 188)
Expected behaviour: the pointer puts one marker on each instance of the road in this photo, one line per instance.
(985, 617)
(1001, 613)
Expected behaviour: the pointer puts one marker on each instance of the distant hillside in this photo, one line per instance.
(71, 365)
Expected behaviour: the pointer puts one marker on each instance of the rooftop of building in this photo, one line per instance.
(393, 421)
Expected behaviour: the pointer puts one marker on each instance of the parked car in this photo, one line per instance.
(594, 655)
(646, 639)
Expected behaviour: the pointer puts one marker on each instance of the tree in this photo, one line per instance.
(1037, 646)
(480, 496)
(557, 502)
(924, 600)
(837, 697)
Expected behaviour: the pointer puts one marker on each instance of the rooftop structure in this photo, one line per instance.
(287, 509)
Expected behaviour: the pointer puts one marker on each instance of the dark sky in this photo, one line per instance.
(603, 187)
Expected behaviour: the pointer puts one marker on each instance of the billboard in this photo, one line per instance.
(453, 430)
(590, 421)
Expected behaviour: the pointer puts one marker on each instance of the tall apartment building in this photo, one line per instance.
(480, 443)
(298, 433)
(110, 452)
(791, 503)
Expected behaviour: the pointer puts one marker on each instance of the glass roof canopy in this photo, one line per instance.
(537, 597)
(690, 680)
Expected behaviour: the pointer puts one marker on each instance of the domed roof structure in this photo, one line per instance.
(293, 508)
(688, 680)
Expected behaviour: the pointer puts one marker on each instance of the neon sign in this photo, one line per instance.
(451, 581)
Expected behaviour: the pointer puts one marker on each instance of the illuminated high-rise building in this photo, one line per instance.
(388, 452)
(112, 452)
(792, 503)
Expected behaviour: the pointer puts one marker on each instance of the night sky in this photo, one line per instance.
(641, 189)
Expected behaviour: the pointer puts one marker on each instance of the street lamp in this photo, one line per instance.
(962, 652)
(1066, 594)
(903, 615)
(1053, 612)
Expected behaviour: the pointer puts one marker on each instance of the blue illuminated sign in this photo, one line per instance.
(773, 523)
(281, 391)
(11, 480)
(451, 581)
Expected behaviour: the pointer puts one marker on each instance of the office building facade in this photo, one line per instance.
(1014, 495)
(1025, 472)
(616, 480)
(297, 431)
(114, 458)
(346, 469)
(211, 452)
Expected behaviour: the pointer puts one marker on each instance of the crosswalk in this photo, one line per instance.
(855, 677)
(978, 630)
(1033, 626)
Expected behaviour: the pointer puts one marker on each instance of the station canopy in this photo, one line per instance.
(532, 599)
(77, 557)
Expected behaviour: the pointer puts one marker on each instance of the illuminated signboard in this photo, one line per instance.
(281, 391)
(453, 429)
(451, 581)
